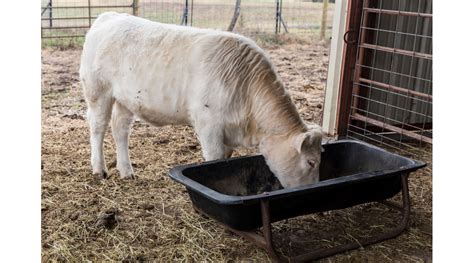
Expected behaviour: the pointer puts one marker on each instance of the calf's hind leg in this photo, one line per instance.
(122, 120)
(98, 115)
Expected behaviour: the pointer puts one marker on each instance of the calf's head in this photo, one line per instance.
(294, 159)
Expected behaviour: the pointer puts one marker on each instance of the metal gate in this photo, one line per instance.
(386, 95)
(69, 19)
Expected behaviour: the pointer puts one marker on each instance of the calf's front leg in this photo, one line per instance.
(211, 138)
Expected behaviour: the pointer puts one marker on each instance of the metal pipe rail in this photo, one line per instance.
(265, 241)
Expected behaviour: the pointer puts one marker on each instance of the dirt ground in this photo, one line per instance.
(151, 218)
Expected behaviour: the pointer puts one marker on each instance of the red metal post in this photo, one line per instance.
(349, 55)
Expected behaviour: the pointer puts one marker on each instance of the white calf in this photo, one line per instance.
(221, 83)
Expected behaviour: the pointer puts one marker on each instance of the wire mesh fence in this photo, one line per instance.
(69, 20)
(391, 101)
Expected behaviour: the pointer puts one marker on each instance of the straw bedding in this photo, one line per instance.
(151, 218)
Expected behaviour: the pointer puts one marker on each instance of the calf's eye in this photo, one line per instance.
(311, 163)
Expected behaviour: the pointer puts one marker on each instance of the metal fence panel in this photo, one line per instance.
(391, 100)
(66, 19)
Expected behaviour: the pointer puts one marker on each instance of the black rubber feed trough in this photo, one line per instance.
(243, 194)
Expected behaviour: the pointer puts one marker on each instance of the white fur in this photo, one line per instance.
(220, 83)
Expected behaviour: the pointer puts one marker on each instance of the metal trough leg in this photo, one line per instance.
(267, 242)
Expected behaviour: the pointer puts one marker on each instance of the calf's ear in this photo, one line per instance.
(300, 140)
(308, 139)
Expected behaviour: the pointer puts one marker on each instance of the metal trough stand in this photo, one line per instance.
(266, 241)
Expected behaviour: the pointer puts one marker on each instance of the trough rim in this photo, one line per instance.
(176, 173)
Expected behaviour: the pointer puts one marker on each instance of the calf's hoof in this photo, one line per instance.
(102, 175)
(126, 172)
(128, 177)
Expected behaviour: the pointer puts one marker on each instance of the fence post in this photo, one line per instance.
(235, 16)
(192, 12)
(136, 7)
(277, 15)
(324, 18)
(89, 12)
(50, 13)
(184, 19)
